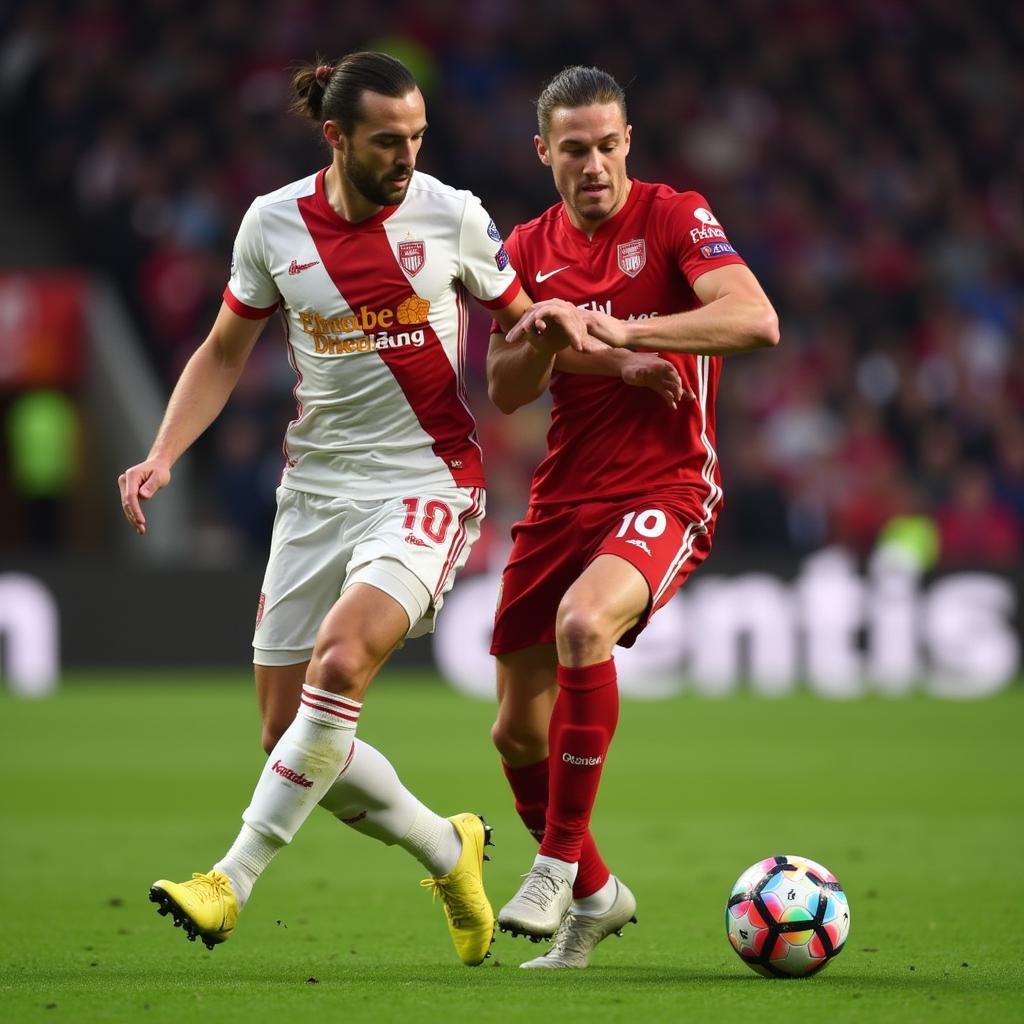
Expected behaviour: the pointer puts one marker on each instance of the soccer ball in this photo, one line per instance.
(787, 917)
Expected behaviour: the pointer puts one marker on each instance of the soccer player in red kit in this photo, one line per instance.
(623, 506)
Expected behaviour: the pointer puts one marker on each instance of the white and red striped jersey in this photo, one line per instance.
(376, 319)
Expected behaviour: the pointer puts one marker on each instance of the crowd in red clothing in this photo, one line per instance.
(867, 161)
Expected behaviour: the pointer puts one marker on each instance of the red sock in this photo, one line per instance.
(529, 784)
(582, 725)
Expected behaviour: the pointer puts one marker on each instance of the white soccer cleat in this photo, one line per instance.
(578, 935)
(540, 904)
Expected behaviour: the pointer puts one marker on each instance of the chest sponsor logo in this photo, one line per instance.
(412, 256)
(632, 256)
(367, 330)
(605, 306)
(712, 249)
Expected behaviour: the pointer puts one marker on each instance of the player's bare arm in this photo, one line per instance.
(201, 393)
(638, 369)
(518, 371)
(735, 316)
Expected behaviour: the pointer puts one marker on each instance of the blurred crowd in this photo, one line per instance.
(867, 159)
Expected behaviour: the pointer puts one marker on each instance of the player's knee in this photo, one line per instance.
(340, 668)
(583, 629)
(519, 742)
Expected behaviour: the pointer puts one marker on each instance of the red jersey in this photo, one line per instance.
(609, 439)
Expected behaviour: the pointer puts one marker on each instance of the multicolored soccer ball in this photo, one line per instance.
(787, 917)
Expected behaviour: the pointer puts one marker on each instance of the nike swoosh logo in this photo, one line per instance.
(551, 273)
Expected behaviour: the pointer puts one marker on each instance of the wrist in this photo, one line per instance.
(160, 457)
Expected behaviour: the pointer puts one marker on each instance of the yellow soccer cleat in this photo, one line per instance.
(469, 913)
(205, 907)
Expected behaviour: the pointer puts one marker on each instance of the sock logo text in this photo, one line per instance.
(291, 775)
(568, 758)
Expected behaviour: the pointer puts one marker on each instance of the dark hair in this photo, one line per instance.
(577, 86)
(333, 92)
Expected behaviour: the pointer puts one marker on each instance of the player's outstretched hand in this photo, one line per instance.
(139, 484)
(649, 370)
(550, 326)
(608, 329)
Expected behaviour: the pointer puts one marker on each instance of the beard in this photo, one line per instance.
(370, 186)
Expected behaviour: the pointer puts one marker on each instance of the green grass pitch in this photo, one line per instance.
(915, 804)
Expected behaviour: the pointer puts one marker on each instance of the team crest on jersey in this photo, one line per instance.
(412, 256)
(633, 256)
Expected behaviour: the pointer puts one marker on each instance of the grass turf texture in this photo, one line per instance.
(916, 805)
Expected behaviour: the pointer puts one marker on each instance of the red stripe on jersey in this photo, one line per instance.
(458, 541)
(462, 309)
(288, 460)
(237, 306)
(506, 298)
(366, 272)
(328, 711)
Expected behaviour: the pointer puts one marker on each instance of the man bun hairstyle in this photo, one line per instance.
(326, 91)
(577, 86)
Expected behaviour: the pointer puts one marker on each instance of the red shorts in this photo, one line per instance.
(552, 546)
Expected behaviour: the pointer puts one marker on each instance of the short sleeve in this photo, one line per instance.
(251, 291)
(697, 239)
(486, 268)
(512, 247)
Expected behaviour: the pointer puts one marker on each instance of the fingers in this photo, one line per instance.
(137, 484)
(527, 323)
(129, 502)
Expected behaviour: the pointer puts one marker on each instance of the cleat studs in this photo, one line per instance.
(633, 920)
(486, 857)
(618, 931)
(162, 911)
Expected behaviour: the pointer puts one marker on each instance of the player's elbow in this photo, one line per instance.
(765, 327)
(503, 398)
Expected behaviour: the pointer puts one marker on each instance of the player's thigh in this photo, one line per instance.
(413, 547)
(549, 551)
(643, 548)
(608, 598)
(527, 688)
(309, 554)
(355, 639)
(278, 688)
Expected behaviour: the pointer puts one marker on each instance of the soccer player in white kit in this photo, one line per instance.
(370, 262)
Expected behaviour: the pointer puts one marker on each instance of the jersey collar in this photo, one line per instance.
(610, 225)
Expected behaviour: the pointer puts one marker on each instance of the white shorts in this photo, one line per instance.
(410, 548)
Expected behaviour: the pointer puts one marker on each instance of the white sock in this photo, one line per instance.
(561, 867)
(247, 859)
(299, 770)
(596, 903)
(369, 797)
